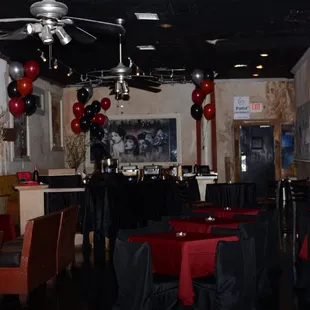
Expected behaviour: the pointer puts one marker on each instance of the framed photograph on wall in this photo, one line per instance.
(140, 140)
(40, 100)
(55, 121)
(20, 148)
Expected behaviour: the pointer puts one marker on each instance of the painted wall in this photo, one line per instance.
(301, 73)
(39, 138)
(277, 98)
(172, 99)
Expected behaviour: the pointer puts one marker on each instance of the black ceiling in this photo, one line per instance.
(279, 28)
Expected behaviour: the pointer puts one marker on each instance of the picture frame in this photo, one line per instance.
(140, 140)
(20, 148)
(39, 94)
(56, 131)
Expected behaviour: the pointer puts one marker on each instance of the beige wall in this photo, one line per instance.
(172, 99)
(277, 98)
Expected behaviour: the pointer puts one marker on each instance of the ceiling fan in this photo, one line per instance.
(122, 76)
(50, 19)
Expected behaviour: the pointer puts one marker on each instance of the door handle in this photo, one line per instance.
(243, 163)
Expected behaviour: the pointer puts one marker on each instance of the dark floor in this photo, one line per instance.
(89, 288)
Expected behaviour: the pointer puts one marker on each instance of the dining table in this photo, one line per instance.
(203, 225)
(227, 212)
(185, 255)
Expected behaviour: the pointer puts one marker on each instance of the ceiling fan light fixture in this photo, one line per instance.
(63, 36)
(147, 16)
(125, 89)
(118, 88)
(46, 35)
(146, 47)
(33, 28)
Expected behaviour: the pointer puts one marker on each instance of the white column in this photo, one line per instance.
(206, 138)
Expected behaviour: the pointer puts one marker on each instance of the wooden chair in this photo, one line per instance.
(22, 272)
(65, 243)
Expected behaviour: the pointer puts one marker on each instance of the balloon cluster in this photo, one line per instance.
(20, 89)
(88, 117)
(204, 86)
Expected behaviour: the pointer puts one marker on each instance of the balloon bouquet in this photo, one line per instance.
(88, 117)
(20, 89)
(204, 86)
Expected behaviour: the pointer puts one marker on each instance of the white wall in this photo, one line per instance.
(39, 141)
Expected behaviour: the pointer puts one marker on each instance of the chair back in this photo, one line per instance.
(133, 268)
(66, 236)
(259, 232)
(229, 272)
(39, 249)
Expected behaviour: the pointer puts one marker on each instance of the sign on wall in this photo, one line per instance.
(256, 107)
(242, 107)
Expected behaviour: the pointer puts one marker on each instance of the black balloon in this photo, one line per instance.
(209, 75)
(89, 112)
(84, 123)
(30, 104)
(100, 133)
(12, 90)
(96, 106)
(82, 95)
(94, 129)
(196, 112)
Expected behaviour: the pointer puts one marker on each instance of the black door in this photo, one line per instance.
(257, 156)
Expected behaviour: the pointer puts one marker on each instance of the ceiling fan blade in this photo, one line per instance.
(19, 19)
(146, 88)
(113, 28)
(19, 34)
(145, 80)
(81, 35)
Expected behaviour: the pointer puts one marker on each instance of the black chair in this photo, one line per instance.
(259, 231)
(153, 227)
(138, 290)
(225, 231)
(233, 286)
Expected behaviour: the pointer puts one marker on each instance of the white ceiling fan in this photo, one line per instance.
(50, 18)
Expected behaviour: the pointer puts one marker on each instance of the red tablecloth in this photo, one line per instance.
(221, 212)
(201, 225)
(6, 225)
(188, 257)
(304, 249)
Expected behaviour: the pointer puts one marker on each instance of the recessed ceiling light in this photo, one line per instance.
(255, 74)
(165, 26)
(259, 67)
(240, 66)
(146, 47)
(147, 16)
(264, 55)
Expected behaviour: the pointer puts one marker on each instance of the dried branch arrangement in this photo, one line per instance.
(75, 148)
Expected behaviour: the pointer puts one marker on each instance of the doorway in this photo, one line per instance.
(256, 156)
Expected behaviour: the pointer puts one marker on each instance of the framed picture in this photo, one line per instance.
(55, 121)
(142, 139)
(20, 148)
(40, 96)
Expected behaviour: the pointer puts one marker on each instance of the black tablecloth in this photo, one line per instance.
(56, 201)
(234, 195)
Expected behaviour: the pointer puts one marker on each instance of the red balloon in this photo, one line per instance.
(198, 96)
(75, 126)
(207, 86)
(16, 106)
(105, 104)
(209, 111)
(32, 69)
(24, 86)
(99, 119)
(78, 109)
